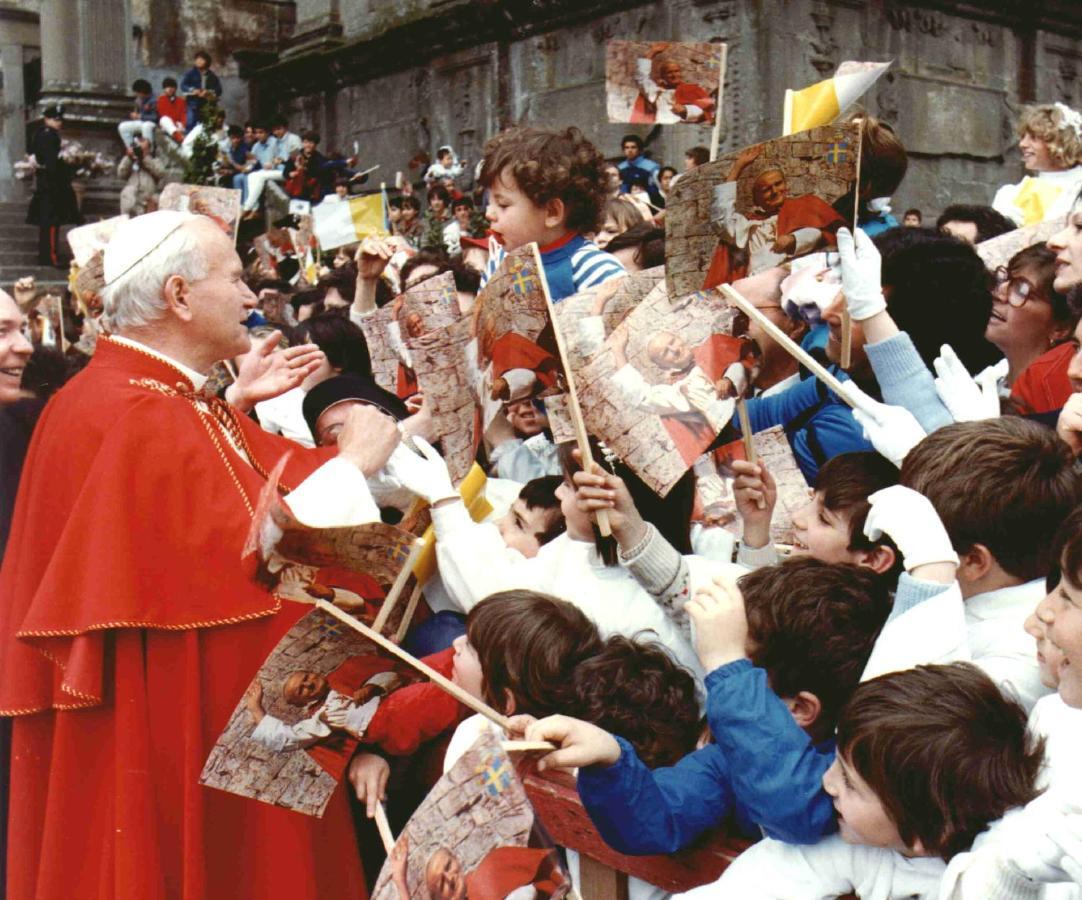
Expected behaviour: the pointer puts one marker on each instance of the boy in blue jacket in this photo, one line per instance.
(802, 631)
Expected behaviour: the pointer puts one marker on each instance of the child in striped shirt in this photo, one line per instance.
(548, 187)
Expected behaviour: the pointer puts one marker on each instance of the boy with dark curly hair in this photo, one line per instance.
(548, 188)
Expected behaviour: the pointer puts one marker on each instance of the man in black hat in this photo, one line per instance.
(53, 203)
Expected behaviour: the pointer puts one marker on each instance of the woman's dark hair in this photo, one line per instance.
(939, 292)
(546, 655)
(340, 340)
(141, 86)
(1043, 262)
(990, 222)
(670, 515)
(648, 241)
(312, 136)
(435, 258)
(438, 190)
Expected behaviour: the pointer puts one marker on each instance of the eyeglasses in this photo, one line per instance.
(1018, 289)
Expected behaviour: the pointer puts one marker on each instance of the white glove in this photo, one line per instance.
(910, 520)
(1044, 841)
(893, 430)
(425, 475)
(967, 399)
(352, 718)
(861, 266)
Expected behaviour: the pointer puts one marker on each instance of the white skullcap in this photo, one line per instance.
(134, 240)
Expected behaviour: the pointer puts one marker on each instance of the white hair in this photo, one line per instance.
(134, 299)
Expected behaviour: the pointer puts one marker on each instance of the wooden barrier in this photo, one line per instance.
(604, 872)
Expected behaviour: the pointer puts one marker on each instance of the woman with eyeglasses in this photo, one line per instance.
(1030, 323)
(1067, 246)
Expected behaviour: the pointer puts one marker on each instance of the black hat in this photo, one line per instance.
(53, 111)
(349, 387)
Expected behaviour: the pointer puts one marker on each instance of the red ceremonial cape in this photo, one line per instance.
(128, 632)
(506, 868)
(805, 211)
(513, 351)
(691, 433)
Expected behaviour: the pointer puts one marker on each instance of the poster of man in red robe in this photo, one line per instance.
(760, 207)
(473, 837)
(664, 384)
(663, 82)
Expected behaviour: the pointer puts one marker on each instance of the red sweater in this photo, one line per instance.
(176, 109)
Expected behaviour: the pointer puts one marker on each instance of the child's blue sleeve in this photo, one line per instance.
(776, 771)
(781, 409)
(640, 812)
(906, 381)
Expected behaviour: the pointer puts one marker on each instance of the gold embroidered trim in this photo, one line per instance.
(104, 626)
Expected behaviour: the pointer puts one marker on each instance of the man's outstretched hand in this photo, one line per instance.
(268, 372)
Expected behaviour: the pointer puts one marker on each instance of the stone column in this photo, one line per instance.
(11, 61)
(84, 49)
(319, 27)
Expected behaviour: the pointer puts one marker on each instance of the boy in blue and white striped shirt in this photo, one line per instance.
(548, 187)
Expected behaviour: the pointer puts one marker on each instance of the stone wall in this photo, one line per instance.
(408, 75)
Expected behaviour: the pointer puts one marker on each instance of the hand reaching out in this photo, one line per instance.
(745, 159)
(25, 290)
(368, 438)
(600, 489)
(756, 494)
(1069, 424)
(720, 623)
(268, 372)
(368, 773)
(253, 701)
(581, 744)
(372, 257)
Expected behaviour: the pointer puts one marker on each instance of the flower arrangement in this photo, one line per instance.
(83, 163)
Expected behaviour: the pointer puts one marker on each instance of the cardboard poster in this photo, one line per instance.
(475, 835)
(663, 82)
(86, 240)
(761, 207)
(716, 504)
(997, 251)
(292, 734)
(666, 384)
(220, 204)
(512, 352)
(586, 319)
(425, 307)
(439, 362)
(358, 568)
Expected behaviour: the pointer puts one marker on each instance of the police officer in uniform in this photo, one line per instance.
(53, 203)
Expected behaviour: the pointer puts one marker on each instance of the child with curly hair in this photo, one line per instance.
(548, 188)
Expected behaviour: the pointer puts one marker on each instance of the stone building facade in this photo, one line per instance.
(403, 76)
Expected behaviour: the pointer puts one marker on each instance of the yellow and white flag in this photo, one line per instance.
(824, 101)
(347, 221)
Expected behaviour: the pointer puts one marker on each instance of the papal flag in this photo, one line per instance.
(824, 101)
(348, 221)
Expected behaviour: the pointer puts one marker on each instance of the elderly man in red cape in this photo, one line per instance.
(130, 626)
(779, 228)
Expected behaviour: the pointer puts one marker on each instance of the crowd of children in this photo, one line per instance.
(891, 706)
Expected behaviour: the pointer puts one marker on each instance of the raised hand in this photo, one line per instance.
(268, 372)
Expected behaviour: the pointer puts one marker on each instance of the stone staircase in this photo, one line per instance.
(19, 241)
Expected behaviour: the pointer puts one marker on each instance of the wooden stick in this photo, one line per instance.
(229, 368)
(407, 616)
(847, 340)
(795, 350)
(391, 600)
(745, 430)
(391, 647)
(787, 114)
(526, 746)
(715, 137)
(384, 828)
(573, 408)
(847, 320)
